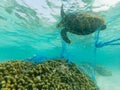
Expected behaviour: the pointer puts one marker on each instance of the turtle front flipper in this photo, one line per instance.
(62, 12)
(64, 35)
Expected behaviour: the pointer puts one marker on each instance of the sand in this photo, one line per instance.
(110, 82)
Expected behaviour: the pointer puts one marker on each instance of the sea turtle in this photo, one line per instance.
(79, 24)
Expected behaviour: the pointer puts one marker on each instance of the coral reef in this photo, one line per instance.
(52, 75)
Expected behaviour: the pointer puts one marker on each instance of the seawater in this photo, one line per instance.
(29, 28)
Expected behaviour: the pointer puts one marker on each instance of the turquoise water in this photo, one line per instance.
(29, 28)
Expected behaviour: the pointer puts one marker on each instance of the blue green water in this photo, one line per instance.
(29, 28)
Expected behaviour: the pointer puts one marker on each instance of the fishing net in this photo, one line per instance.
(30, 34)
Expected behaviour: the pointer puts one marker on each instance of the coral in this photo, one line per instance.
(52, 75)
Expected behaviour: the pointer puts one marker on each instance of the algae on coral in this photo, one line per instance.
(52, 75)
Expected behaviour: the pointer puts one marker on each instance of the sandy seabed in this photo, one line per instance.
(111, 82)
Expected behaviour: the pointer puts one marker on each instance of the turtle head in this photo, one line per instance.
(61, 24)
(103, 27)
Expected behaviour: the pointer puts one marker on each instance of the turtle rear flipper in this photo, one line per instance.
(64, 36)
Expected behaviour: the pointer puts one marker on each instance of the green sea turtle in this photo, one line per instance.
(80, 24)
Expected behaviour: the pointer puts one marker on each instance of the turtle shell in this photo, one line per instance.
(83, 24)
